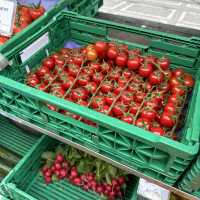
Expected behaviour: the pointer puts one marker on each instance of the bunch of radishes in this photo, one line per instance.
(59, 169)
(84, 171)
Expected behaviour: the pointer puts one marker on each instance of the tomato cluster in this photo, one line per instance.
(138, 89)
(24, 16)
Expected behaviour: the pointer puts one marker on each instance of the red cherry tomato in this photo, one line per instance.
(83, 79)
(164, 63)
(49, 62)
(67, 82)
(97, 102)
(174, 82)
(91, 87)
(145, 70)
(109, 99)
(167, 120)
(127, 118)
(126, 97)
(139, 97)
(143, 123)
(33, 81)
(179, 90)
(134, 108)
(121, 60)
(36, 12)
(119, 109)
(170, 108)
(133, 63)
(178, 72)
(106, 87)
(157, 130)
(156, 77)
(79, 93)
(101, 48)
(188, 80)
(112, 53)
(149, 114)
(42, 71)
(97, 77)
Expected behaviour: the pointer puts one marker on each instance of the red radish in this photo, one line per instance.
(59, 158)
(115, 182)
(57, 173)
(90, 177)
(45, 169)
(121, 180)
(58, 166)
(63, 173)
(74, 173)
(85, 187)
(65, 164)
(108, 187)
(99, 189)
(53, 168)
(48, 180)
(77, 181)
(48, 173)
(112, 194)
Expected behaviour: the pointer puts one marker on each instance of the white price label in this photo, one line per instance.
(151, 191)
(34, 47)
(7, 16)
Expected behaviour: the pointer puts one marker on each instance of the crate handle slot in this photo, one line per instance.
(195, 39)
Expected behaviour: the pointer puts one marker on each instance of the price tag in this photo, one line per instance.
(7, 16)
(150, 191)
(34, 47)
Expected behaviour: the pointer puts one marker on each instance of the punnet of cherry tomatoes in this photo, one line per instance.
(141, 90)
(85, 171)
(25, 15)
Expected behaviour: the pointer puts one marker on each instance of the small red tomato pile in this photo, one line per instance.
(109, 78)
(25, 15)
(85, 171)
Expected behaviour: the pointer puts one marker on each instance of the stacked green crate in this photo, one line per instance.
(14, 139)
(14, 145)
(191, 180)
(155, 156)
(26, 183)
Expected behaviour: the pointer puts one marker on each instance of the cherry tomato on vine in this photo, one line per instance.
(188, 80)
(167, 120)
(158, 131)
(112, 53)
(143, 123)
(127, 118)
(145, 70)
(156, 77)
(133, 63)
(164, 63)
(121, 60)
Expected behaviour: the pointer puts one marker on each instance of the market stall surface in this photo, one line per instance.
(181, 13)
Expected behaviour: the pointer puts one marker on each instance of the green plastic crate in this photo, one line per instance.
(3, 198)
(191, 180)
(154, 156)
(14, 139)
(25, 182)
(83, 7)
